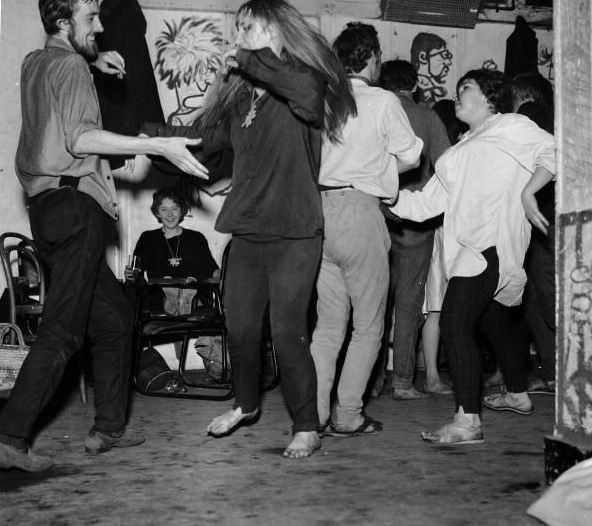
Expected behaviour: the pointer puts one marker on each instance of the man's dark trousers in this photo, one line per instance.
(71, 232)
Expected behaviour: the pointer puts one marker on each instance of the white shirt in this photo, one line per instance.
(372, 141)
(478, 185)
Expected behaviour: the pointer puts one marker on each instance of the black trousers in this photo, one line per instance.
(539, 300)
(280, 273)
(468, 304)
(71, 231)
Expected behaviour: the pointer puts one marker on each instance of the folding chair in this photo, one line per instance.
(151, 374)
(26, 284)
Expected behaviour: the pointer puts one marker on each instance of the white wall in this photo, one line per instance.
(20, 32)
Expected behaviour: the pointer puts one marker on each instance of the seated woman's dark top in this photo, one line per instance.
(183, 256)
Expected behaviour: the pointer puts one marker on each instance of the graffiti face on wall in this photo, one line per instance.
(432, 59)
(188, 55)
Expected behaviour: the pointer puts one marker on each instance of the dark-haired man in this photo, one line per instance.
(72, 209)
(412, 243)
(532, 95)
(355, 176)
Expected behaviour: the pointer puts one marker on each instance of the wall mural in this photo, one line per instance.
(186, 49)
(188, 55)
(442, 54)
(432, 59)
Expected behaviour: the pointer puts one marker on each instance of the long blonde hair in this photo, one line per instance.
(300, 42)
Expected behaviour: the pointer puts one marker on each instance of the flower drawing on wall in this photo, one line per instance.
(432, 59)
(188, 54)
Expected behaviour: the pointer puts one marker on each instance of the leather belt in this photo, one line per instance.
(65, 180)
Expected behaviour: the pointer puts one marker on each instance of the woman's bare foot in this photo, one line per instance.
(303, 445)
(228, 421)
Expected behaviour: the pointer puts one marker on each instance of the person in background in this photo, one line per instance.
(411, 242)
(171, 250)
(282, 92)
(72, 210)
(485, 186)
(355, 175)
(532, 96)
(436, 281)
(174, 252)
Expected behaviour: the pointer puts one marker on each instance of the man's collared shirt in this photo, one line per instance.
(59, 104)
(372, 142)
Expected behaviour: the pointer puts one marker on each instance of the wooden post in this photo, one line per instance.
(572, 438)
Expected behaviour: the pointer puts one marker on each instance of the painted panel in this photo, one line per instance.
(574, 366)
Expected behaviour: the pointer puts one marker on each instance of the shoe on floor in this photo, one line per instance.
(368, 427)
(540, 386)
(11, 457)
(377, 387)
(508, 402)
(97, 442)
(440, 389)
(454, 435)
(409, 394)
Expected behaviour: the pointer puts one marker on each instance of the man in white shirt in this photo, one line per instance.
(355, 176)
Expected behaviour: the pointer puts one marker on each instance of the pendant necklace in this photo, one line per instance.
(252, 113)
(174, 260)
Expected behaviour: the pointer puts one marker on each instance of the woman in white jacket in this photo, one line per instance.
(485, 185)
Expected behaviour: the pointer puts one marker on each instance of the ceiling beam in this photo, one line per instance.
(311, 8)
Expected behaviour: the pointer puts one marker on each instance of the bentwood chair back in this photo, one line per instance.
(26, 284)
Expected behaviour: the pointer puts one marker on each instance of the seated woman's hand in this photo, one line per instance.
(130, 273)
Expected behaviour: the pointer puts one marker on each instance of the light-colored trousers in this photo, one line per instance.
(354, 276)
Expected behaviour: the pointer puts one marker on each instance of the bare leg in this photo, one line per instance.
(226, 422)
(303, 445)
(430, 335)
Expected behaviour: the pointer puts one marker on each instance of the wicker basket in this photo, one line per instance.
(11, 356)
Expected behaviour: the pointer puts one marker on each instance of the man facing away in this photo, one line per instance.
(355, 175)
(72, 209)
(412, 243)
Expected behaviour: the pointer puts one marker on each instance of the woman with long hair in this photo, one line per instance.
(281, 94)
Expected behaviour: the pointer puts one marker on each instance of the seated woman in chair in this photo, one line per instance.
(175, 252)
(172, 251)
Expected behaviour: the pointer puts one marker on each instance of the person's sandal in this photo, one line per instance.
(454, 435)
(368, 427)
(506, 402)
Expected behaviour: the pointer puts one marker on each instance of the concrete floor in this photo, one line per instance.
(182, 477)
